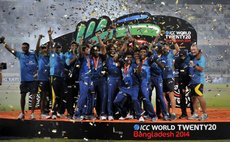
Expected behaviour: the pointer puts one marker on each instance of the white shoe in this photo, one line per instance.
(103, 118)
(32, 116)
(54, 117)
(60, 115)
(110, 118)
(129, 116)
(203, 117)
(194, 117)
(21, 116)
(121, 118)
(45, 116)
(154, 119)
(141, 119)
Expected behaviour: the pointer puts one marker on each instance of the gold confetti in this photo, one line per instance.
(220, 7)
(190, 18)
(177, 1)
(93, 14)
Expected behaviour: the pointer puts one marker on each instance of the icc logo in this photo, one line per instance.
(136, 127)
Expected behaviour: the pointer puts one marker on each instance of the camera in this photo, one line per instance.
(2, 39)
(3, 66)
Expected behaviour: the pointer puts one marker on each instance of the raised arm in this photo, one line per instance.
(177, 48)
(98, 34)
(11, 50)
(80, 47)
(38, 44)
(155, 41)
(124, 47)
(109, 32)
(70, 61)
(50, 32)
(103, 50)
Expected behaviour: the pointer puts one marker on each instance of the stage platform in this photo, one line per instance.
(216, 127)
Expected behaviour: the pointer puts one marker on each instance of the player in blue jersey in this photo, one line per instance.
(57, 63)
(97, 62)
(113, 79)
(157, 81)
(145, 81)
(43, 75)
(113, 72)
(129, 87)
(85, 83)
(28, 74)
(197, 67)
(168, 76)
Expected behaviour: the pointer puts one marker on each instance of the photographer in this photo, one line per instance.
(182, 65)
(28, 70)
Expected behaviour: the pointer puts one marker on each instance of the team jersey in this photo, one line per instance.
(129, 77)
(43, 67)
(113, 69)
(145, 70)
(85, 69)
(97, 66)
(155, 70)
(57, 64)
(28, 65)
(197, 77)
(68, 57)
(167, 59)
(71, 68)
